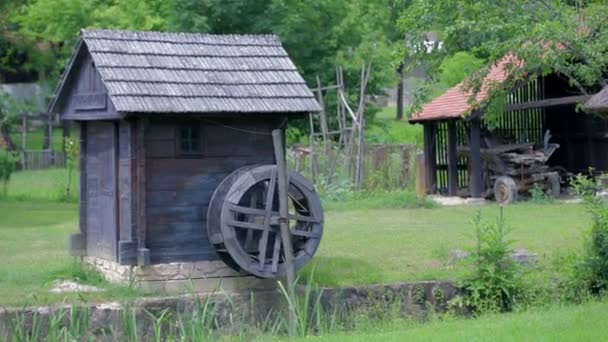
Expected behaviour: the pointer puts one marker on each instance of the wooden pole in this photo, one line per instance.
(400, 93)
(313, 155)
(476, 171)
(279, 152)
(430, 157)
(452, 159)
(24, 130)
(324, 127)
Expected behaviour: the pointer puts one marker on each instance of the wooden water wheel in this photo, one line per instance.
(243, 221)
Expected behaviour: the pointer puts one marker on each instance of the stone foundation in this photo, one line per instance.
(241, 309)
(180, 277)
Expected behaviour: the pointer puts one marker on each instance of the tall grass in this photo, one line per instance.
(43, 185)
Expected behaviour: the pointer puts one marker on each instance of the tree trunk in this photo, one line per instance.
(400, 93)
(46, 143)
(4, 135)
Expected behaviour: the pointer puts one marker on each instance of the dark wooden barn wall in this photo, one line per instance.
(583, 137)
(88, 97)
(179, 188)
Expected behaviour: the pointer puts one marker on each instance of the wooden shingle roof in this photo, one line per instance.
(149, 72)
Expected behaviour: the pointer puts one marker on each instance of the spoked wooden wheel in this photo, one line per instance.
(243, 221)
(505, 190)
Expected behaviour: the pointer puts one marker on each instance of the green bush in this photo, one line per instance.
(496, 284)
(593, 268)
(8, 163)
(539, 195)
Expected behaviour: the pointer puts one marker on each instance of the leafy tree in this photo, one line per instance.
(10, 112)
(565, 37)
(457, 67)
(8, 162)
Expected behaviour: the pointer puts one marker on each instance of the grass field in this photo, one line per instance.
(42, 185)
(389, 245)
(360, 246)
(33, 250)
(35, 139)
(571, 323)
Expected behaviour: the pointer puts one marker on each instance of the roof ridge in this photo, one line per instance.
(86, 33)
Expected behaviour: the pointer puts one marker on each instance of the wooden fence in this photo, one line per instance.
(42, 159)
(385, 167)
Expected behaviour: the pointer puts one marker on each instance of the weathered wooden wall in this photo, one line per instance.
(100, 181)
(88, 97)
(179, 188)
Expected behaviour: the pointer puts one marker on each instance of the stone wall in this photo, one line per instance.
(234, 309)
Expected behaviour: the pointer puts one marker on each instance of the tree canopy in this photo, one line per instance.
(566, 37)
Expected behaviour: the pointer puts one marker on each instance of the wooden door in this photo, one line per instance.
(101, 190)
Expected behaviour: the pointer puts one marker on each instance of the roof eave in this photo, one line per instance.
(51, 108)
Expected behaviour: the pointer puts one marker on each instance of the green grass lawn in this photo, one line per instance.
(360, 246)
(35, 139)
(43, 185)
(33, 250)
(571, 323)
(389, 245)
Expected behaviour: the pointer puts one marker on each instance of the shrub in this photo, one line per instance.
(595, 257)
(8, 163)
(495, 284)
(539, 195)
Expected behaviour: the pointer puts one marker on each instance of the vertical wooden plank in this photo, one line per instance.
(430, 157)
(452, 159)
(143, 253)
(283, 183)
(127, 247)
(476, 171)
(78, 242)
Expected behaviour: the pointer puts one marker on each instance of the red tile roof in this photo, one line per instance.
(454, 103)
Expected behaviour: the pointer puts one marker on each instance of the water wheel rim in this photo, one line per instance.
(237, 222)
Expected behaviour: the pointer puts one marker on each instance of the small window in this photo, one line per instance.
(189, 140)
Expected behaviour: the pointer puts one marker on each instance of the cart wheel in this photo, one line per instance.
(505, 190)
(554, 186)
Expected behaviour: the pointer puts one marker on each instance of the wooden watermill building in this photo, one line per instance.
(164, 118)
(546, 108)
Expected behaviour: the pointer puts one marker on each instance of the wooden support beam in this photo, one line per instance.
(476, 183)
(283, 182)
(143, 253)
(430, 156)
(452, 159)
(549, 102)
(78, 242)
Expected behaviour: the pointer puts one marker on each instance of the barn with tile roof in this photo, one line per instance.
(164, 118)
(454, 122)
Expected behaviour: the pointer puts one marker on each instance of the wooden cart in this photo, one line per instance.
(512, 169)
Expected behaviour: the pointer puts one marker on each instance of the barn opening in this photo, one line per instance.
(460, 142)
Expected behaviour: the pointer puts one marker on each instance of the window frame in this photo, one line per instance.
(192, 128)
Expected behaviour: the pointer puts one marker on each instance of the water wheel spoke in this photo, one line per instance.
(239, 209)
(299, 204)
(263, 244)
(303, 218)
(305, 233)
(276, 253)
(247, 225)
